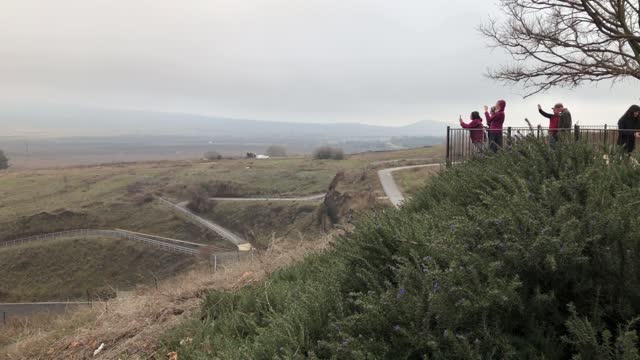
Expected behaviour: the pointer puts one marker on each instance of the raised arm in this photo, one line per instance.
(473, 124)
(545, 114)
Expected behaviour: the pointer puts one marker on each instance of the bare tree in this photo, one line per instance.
(566, 42)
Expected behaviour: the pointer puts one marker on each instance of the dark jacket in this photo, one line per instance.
(476, 130)
(554, 121)
(565, 120)
(495, 120)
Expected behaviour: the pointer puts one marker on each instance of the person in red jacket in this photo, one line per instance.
(495, 120)
(554, 121)
(476, 131)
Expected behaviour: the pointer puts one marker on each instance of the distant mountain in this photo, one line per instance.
(77, 121)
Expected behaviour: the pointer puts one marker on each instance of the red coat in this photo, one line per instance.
(476, 130)
(554, 121)
(495, 120)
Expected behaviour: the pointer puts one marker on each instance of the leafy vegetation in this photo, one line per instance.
(199, 201)
(527, 254)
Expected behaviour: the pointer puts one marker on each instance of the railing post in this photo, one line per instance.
(539, 130)
(576, 129)
(606, 136)
(508, 136)
(448, 160)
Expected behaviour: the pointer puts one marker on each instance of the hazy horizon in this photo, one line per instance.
(329, 61)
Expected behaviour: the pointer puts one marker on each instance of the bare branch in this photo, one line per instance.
(566, 42)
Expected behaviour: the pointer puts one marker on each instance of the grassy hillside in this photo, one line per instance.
(528, 254)
(66, 269)
(411, 181)
(117, 195)
(260, 221)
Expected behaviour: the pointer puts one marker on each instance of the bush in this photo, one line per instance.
(212, 155)
(526, 254)
(4, 161)
(328, 153)
(276, 151)
(199, 200)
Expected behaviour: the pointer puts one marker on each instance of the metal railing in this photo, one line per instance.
(242, 244)
(460, 147)
(190, 248)
(164, 243)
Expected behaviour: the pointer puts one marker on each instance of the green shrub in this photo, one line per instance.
(199, 200)
(328, 153)
(527, 254)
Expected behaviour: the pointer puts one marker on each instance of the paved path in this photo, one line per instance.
(242, 244)
(389, 184)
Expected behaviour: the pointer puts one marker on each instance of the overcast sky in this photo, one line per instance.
(372, 61)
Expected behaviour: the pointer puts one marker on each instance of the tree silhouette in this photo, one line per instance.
(566, 42)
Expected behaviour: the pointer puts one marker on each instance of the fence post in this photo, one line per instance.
(576, 129)
(606, 136)
(539, 130)
(509, 136)
(448, 161)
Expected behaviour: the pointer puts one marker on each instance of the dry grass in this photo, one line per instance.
(132, 328)
(411, 181)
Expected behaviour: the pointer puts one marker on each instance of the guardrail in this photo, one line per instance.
(242, 244)
(118, 234)
(186, 247)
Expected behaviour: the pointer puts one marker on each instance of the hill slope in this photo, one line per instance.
(66, 269)
(527, 254)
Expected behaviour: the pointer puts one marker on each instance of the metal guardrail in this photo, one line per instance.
(190, 248)
(118, 234)
(459, 146)
(242, 244)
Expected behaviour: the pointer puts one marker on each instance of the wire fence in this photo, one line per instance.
(216, 258)
(464, 144)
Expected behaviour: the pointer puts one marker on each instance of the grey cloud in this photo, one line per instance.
(372, 61)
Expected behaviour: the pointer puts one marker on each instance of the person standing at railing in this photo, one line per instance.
(495, 121)
(628, 125)
(565, 123)
(554, 122)
(476, 131)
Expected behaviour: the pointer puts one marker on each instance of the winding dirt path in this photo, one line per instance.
(389, 184)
